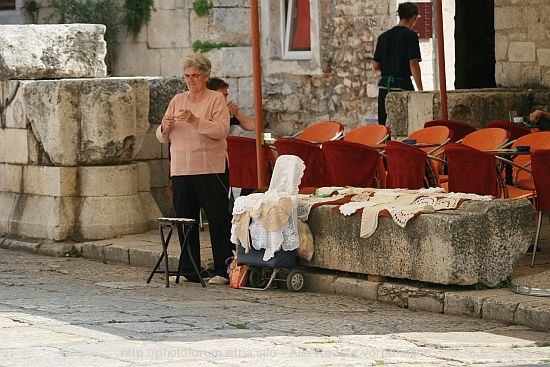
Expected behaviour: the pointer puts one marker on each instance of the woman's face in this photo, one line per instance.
(195, 79)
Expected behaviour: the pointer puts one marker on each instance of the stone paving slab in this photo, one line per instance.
(502, 305)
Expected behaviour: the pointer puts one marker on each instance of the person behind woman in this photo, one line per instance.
(237, 117)
(397, 57)
(540, 119)
(196, 124)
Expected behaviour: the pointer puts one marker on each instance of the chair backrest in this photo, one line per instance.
(431, 135)
(406, 166)
(471, 170)
(287, 174)
(537, 140)
(310, 153)
(486, 139)
(350, 164)
(371, 134)
(322, 131)
(243, 170)
(516, 130)
(458, 129)
(540, 166)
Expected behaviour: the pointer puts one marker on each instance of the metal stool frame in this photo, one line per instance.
(169, 223)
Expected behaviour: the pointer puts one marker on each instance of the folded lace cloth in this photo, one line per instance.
(402, 205)
(270, 218)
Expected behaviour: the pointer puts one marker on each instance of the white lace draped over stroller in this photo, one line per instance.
(269, 220)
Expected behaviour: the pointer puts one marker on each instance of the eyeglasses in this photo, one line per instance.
(192, 76)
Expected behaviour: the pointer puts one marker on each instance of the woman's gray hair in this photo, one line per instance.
(198, 60)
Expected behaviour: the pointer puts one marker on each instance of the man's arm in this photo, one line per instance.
(247, 122)
(416, 74)
(376, 66)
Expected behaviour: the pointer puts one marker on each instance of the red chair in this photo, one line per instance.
(476, 172)
(406, 166)
(243, 171)
(471, 170)
(516, 130)
(439, 135)
(537, 140)
(370, 135)
(487, 139)
(540, 166)
(350, 164)
(458, 129)
(322, 131)
(311, 155)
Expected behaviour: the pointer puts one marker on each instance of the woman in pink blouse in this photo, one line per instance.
(196, 124)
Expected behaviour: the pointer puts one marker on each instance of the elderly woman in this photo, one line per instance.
(196, 124)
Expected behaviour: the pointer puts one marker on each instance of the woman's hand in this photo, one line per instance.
(167, 122)
(187, 116)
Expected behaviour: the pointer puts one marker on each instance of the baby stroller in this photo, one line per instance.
(265, 229)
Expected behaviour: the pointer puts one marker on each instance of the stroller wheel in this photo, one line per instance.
(295, 281)
(257, 278)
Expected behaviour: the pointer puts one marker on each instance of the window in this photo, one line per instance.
(7, 4)
(296, 27)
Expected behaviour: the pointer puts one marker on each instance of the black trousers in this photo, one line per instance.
(210, 192)
(382, 115)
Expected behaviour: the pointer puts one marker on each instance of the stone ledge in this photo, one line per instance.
(480, 242)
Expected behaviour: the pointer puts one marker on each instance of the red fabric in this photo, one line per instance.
(459, 129)
(348, 164)
(515, 130)
(540, 165)
(406, 166)
(243, 171)
(471, 170)
(311, 155)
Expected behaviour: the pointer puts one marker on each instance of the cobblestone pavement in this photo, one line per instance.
(72, 311)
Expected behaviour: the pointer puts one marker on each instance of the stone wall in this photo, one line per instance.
(408, 111)
(338, 83)
(78, 156)
(522, 43)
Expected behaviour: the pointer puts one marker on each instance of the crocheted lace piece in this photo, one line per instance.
(271, 218)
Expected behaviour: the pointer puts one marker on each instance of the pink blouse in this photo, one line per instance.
(201, 150)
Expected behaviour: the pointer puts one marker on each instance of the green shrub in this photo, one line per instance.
(202, 7)
(137, 13)
(199, 46)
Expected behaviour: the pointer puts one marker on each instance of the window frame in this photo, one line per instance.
(287, 9)
(8, 5)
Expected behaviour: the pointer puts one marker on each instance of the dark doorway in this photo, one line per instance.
(474, 44)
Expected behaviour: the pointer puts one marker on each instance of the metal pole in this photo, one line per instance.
(257, 81)
(441, 60)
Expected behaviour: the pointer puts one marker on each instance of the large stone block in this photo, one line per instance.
(10, 98)
(110, 181)
(50, 181)
(12, 175)
(88, 121)
(50, 217)
(58, 51)
(14, 147)
(480, 242)
(231, 25)
(161, 91)
(169, 29)
(8, 201)
(109, 217)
